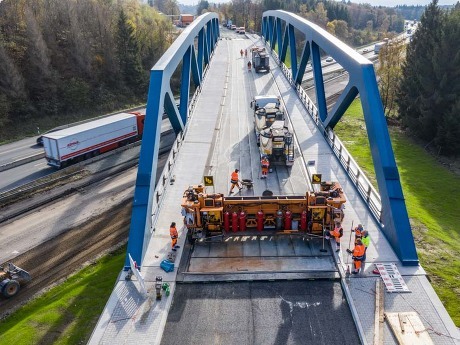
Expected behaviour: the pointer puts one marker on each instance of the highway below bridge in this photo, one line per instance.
(272, 289)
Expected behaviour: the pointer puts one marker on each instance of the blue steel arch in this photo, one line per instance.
(160, 98)
(278, 30)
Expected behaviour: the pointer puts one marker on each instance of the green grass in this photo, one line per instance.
(287, 61)
(68, 313)
(432, 198)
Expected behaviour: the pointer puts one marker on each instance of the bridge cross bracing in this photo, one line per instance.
(221, 111)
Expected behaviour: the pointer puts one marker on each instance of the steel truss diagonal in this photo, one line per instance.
(278, 30)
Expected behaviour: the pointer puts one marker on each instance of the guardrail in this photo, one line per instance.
(357, 176)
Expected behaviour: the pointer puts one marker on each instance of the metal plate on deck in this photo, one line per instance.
(393, 280)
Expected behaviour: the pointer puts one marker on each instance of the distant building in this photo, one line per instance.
(185, 20)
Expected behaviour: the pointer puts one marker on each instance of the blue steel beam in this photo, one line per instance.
(319, 82)
(278, 36)
(293, 50)
(161, 97)
(303, 62)
(285, 45)
(394, 220)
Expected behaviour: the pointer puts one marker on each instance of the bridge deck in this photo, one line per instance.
(220, 138)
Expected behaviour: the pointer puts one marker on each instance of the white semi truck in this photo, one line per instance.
(89, 139)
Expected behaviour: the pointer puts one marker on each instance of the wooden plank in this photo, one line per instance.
(408, 329)
(379, 313)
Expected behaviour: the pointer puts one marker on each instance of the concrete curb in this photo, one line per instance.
(22, 161)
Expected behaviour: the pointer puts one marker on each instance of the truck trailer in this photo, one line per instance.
(74, 144)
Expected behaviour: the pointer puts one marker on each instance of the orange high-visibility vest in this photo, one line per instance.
(359, 250)
(173, 232)
(235, 176)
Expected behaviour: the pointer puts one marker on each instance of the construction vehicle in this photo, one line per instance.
(211, 215)
(260, 60)
(274, 139)
(261, 101)
(265, 117)
(11, 279)
(277, 144)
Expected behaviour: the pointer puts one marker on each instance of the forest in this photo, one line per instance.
(62, 60)
(428, 91)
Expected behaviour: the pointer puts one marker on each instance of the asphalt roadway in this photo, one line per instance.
(260, 312)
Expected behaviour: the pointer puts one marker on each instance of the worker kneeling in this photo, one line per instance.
(358, 255)
(337, 233)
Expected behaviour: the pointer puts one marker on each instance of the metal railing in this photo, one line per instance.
(357, 176)
(166, 178)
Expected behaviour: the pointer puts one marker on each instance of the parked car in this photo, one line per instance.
(365, 50)
(233, 27)
(329, 59)
(241, 30)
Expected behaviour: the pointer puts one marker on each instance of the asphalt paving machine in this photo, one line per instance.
(216, 215)
(12, 278)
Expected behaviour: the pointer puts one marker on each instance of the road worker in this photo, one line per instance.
(234, 180)
(366, 240)
(337, 233)
(174, 235)
(358, 232)
(358, 254)
(265, 164)
(241, 52)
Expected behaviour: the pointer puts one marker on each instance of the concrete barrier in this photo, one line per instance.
(22, 161)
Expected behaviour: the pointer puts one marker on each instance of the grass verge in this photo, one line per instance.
(431, 192)
(67, 313)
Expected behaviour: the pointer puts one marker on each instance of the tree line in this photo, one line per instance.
(428, 92)
(356, 24)
(64, 57)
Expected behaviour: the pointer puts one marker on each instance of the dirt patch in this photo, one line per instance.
(59, 257)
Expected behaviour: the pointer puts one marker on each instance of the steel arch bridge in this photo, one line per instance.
(278, 32)
(194, 49)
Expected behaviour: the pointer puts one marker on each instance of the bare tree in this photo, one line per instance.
(391, 58)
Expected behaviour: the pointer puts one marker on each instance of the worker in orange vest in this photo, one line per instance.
(234, 179)
(174, 235)
(337, 233)
(358, 255)
(265, 164)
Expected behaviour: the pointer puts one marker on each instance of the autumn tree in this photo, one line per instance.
(391, 58)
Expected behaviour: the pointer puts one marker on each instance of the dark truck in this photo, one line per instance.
(260, 60)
